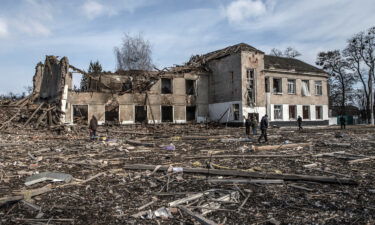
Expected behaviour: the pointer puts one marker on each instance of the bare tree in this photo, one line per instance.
(134, 54)
(341, 81)
(289, 52)
(360, 55)
(276, 52)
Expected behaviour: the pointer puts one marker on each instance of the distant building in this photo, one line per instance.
(223, 86)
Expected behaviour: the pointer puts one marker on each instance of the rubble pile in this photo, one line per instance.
(187, 174)
(26, 113)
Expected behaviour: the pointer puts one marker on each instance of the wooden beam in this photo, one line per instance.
(238, 173)
(35, 112)
(245, 156)
(277, 147)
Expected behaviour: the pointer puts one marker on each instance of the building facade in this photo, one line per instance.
(223, 86)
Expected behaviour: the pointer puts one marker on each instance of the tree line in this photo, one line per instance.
(352, 73)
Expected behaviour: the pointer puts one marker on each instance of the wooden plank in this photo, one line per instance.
(220, 172)
(188, 199)
(361, 160)
(201, 219)
(245, 156)
(246, 181)
(32, 115)
(277, 147)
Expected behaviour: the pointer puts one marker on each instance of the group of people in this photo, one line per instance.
(250, 122)
(253, 123)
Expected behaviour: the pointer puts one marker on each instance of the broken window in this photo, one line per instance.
(166, 86)
(166, 114)
(306, 112)
(140, 113)
(278, 112)
(236, 111)
(291, 86)
(267, 84)
(190, 87)
(305, 88)
(318, 88)
(251, 86)
(190, 113)
(111, 114)
(277, 86)
(319, 112)
(80, 114)
(292, 112)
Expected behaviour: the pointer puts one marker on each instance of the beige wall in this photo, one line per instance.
(298, 99)
(253, 60)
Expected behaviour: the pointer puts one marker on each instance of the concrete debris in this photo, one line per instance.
(48, 176)
(206, 181)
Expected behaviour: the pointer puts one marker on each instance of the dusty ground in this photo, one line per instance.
(117, 193)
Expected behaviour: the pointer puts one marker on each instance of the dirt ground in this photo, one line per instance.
(115, 194)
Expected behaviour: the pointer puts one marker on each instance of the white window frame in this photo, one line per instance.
(318, 87)
(321, 112)
(295, 112)
(292, 83)
(279, 114)
(309, 116)
(281, 85)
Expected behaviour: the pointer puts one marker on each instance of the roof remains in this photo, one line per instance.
(283, 63)
(201, 60)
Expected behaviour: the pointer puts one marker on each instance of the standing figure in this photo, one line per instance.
(93, 126)
(247, 126)
(263, 128)
(342, 122)
(254, 125)
(299, 121)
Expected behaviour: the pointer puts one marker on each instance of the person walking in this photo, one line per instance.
(93, 126)
(299, 121)
(254, 125)
(247, 126)
(342, 122)
(263, 128)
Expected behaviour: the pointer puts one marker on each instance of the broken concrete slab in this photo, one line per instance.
(48, 176)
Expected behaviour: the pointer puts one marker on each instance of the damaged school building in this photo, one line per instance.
(222, 86)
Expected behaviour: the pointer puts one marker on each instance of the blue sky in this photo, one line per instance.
(85, 30)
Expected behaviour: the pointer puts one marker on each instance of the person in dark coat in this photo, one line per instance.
(93, 126)
(299, 121)
(263, 128)
(254, 125)
(247, 126)
(342, 122)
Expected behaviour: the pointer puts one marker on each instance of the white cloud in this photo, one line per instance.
(241, 10)
(32, 27)
(3, 28)
(93, 9)
(96, 8)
